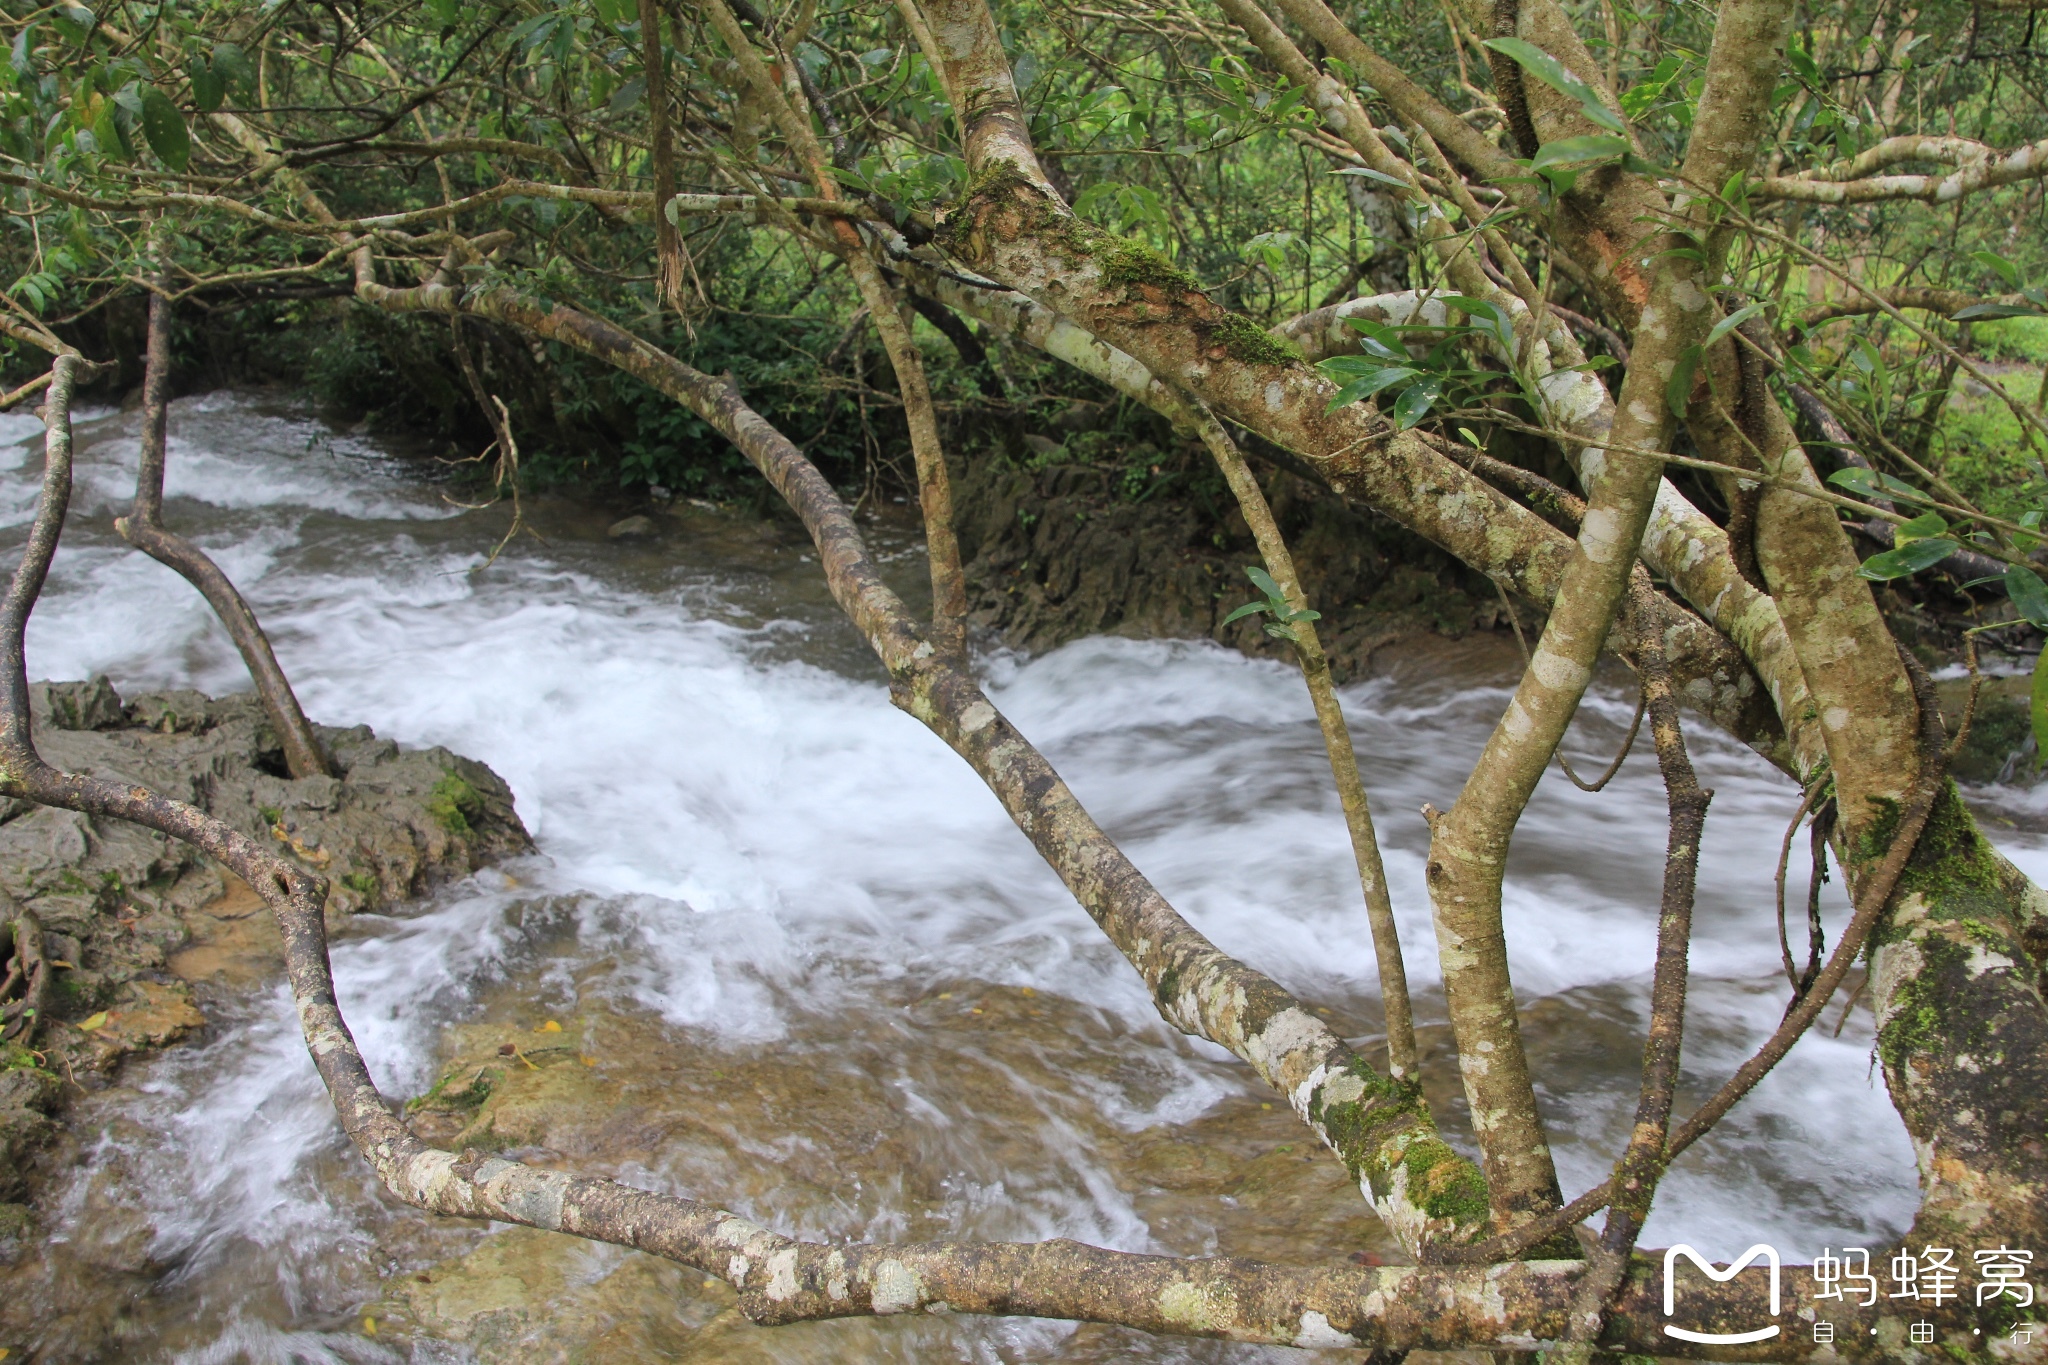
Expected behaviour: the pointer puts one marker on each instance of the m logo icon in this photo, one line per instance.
(1735, 1267)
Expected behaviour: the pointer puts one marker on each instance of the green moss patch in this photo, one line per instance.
(454, 803)
(1247, 341)
(448, 1099)
(1133, 264)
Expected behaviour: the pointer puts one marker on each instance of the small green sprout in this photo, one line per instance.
(1281, 626)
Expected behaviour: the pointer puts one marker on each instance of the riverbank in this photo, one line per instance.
(130, 930)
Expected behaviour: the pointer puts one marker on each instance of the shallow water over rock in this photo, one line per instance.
(781, 951)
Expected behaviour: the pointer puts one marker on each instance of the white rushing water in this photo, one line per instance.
(730, 810)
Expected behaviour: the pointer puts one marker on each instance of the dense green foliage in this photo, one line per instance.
(1158, 122)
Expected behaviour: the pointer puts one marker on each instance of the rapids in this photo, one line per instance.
(752, 865)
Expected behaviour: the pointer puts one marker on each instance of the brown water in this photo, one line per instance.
(802, 965)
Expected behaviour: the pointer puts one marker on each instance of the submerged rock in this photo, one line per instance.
(131, 917)
(631, 528)
(834, 1132)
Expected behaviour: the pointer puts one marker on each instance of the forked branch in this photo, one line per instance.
(143, 528)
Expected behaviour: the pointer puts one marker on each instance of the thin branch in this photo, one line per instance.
(1343, 758)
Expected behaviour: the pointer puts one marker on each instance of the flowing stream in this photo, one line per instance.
(812, 970)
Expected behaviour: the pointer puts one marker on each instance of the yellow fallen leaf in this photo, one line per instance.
(549, 1027)
(369, 1327)
(96, 1021)
(1028, 992)
(59, 962)
(945, 995)
(588, 1060)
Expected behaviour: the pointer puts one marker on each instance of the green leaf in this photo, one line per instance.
(2004, 269)
(2038, 703)
(1341, 368)
(209, 87)
(73, 22)
(1263, 581)
(164, 127)
(1415, 402)
(1638, 101)
(628, 95)
(1367, 385)
(1868, 483)
(1908, 559)
(1729, 324)
(1978, 312)
(1923, 527)
(2029, 597)
(1367, 173)
(106, 132)
(1487, 318)
(1552, 72)
(234, 64)
(1572, 150)
(1378, 339)
(1803, 65)
(1678, 389)
(1248, 609)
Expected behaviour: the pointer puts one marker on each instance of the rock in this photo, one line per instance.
(23, 1133)
(815, 1134)
(120, 903)
(169, 712)
(528, 1296)
(631, 528)
(90, 705)
(16, 1222)
(28, 1087)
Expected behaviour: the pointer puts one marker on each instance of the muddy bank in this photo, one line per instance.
(1061, 551)
(130, 921)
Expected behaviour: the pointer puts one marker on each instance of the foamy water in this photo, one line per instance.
(731, 811)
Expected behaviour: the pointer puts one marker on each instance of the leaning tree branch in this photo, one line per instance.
(1423, 1190)
(1947, 302)
(1343, 757)
(934, 481)
(1643, 1161)
(1981, 172)
(1519, 550)
(143, 528)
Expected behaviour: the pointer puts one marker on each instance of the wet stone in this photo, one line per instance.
(132, 918)
(631, 528)
(837, 1133)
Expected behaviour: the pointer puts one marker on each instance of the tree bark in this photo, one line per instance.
(144, 529)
